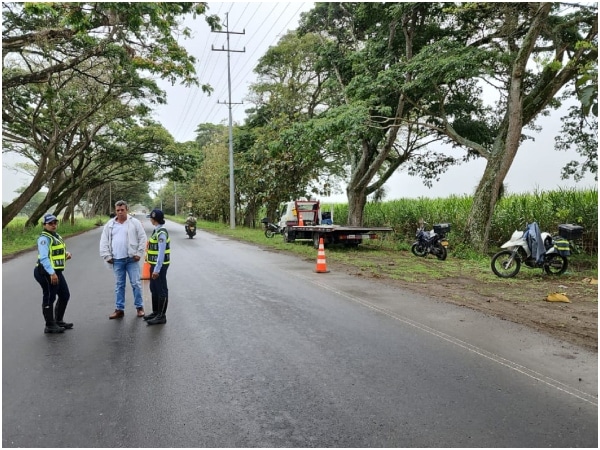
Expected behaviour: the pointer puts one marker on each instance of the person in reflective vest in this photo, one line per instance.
(158, 256)
(48, 272)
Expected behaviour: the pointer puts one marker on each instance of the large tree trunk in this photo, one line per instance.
(357, 200)
(498, 164)
(507, 141)
(486, 196)
(9, 212)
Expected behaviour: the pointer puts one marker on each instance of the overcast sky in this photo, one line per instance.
(537, 165)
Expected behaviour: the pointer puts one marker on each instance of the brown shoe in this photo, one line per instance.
(118, 314)
(140, 312)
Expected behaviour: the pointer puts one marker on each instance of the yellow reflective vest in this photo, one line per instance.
(152, 254)
(57, 250)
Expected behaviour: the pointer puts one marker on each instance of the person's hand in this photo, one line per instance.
(154, 275)
(69, 256)
(110, 261)
(136, 258)
(54, 278)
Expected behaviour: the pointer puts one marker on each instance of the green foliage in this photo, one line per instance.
(77, 90)
(208, 190)
(579, 133)
(142, 35)
(548, 209)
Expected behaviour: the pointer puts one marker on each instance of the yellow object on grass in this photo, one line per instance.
(558, 297)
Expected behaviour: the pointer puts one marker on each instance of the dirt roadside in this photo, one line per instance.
(521, 301)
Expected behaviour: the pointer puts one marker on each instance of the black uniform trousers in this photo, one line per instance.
(159, 286)
(49, 290)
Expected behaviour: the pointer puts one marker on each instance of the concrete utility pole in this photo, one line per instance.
(231, 181)
(175, 184)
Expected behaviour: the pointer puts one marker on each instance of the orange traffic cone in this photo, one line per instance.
(321, 263)
(146, 265)
(146, 271)
(300, 221)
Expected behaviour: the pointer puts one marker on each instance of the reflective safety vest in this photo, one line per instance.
(57, 250)
(152, 254)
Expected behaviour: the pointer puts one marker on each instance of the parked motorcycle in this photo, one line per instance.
(271, 229)
(431, 242)
(190, 230)
(534, 249)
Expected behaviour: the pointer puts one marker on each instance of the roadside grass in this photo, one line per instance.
(16, 238)
(394, 260)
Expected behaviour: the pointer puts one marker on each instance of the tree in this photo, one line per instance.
(66, 35)
(55, 124)
(580, 127)
(33, 203)
(289, 90)
(209, 188)
(71, 70)
(528, 53)
(363, 48)
(579, 133)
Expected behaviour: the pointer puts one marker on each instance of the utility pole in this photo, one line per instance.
(175, 184)
(231, 181)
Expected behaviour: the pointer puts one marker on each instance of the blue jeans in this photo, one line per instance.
(122, 268)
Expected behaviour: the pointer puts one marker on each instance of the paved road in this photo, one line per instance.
(260, 351)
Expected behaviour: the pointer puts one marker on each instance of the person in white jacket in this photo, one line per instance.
(123, 244)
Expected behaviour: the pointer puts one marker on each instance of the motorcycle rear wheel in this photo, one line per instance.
(269, 233)
(418, 250)
(555, 264)
(505, 264)
(440, 252)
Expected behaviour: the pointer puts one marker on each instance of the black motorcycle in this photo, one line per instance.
(271, 229)
(190, 231)
(431, 242)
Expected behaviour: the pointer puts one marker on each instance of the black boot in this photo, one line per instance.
(59, 312)
(161, 317)
(51, 326)
(154, 308)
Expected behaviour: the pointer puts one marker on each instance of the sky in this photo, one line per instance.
(254, 27)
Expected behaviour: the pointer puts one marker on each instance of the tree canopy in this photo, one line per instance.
(78, 88)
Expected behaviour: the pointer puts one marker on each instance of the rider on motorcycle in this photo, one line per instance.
(190, 221)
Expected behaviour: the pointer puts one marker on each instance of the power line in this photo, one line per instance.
(189, 100)
(197, 109)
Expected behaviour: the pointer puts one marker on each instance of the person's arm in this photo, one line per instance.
(162, 247)
(43, 245)
(141, 239)
(105, 251)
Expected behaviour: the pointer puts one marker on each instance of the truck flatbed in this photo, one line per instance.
(303, 220)
(333, 234)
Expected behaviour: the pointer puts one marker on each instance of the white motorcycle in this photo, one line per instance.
(507, 263)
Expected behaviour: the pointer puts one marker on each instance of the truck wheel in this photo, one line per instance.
(316, 238)
(288, 236)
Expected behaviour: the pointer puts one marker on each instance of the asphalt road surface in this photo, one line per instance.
(261, 351)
